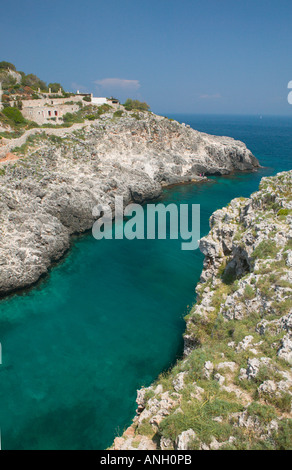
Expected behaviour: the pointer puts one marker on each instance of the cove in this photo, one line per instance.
(109, 317)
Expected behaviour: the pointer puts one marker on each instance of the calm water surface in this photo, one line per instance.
(109, 318)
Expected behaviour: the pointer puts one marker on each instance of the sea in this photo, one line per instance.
(109, 317)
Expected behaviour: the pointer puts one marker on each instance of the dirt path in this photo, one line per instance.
(7, 145)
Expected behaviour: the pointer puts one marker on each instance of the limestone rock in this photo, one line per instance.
(184, 439)
(253, 368)
(165, 443)
(178, 382)
(219, 378)
(208, 369)
(53, 191)
(285, 350)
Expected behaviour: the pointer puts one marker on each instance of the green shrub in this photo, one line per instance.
(55, 139)
(198, 416)
(249, 292)
(92, 117)
(33, 82)
(70, 117)
(283, 307)
(118, 113)
(283, 212)
(263, 412)
(55, 87)
(87, 98)
(11, 135)
(283, 437)
(32, 125)
(283, 402)
(7, 65)
(14, 114)
(136, 104)
(136, 116)
(104, 108)
(266, 249)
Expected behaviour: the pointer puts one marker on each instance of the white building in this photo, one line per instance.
(98, 101)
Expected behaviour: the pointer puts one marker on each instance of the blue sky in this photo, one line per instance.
(210, 56)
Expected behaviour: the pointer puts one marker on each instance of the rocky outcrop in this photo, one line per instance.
(233, 387)
(8, 74)
(50, 192)
(15, 75)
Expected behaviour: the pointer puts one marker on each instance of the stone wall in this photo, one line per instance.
(7, 145)
(49, 113)
(50, 110)
(1, 93)
(51, 101)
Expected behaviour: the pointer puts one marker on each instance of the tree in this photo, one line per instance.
(55, 87)
(14, 114)
(135, 104)
(7, 65)
(33, 81)
(6, 79)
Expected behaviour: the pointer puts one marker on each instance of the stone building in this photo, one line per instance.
(48, 113)
(1, 93)
(51, 110)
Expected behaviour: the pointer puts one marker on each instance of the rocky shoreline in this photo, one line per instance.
(48, 192)
(232, 389)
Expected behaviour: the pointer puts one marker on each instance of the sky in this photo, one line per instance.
(180, 56)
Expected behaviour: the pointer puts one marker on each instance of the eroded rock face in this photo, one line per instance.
(236, 371)
(285, 350)
(239, 231)
(50, 194)
(184, 439)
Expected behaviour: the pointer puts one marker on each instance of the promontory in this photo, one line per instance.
(52, 181)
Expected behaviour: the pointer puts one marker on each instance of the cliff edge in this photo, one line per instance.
(51, 183)
(233, 387)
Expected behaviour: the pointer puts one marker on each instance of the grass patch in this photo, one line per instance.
(249, 293)
(199, 417)
(118, 113)
(266, 249)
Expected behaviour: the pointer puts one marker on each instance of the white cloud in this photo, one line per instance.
(118, 83)
(216, 96)
(77, 86)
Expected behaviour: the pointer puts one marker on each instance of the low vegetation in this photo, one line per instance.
(135, 105)
(233, 389)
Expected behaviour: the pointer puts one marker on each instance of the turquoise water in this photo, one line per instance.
(109, 317)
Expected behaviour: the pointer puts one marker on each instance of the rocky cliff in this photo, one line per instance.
(50, 191)
(233, 387)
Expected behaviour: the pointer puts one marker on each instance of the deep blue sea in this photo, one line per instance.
(109, 317)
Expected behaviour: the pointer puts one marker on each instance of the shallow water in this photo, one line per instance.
(109, 317)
